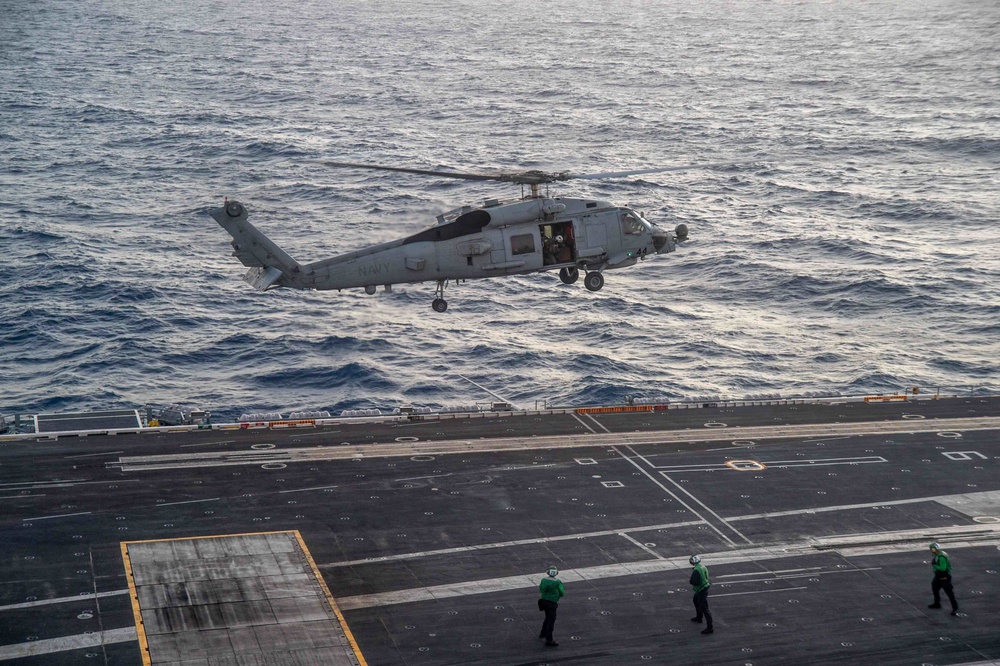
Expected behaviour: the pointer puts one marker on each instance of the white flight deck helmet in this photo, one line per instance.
(935, 547)
(559, 239)
(553, 571)
(695, 559)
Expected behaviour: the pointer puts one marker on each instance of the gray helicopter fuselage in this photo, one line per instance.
(525, 236)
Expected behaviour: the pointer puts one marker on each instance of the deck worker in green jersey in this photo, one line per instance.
(942, 578)
(699, 581)
(551, 590)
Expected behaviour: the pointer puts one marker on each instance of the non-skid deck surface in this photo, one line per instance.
(245, 598)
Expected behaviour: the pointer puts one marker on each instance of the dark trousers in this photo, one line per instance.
(550, 608)
(701, 606)
(943, 583)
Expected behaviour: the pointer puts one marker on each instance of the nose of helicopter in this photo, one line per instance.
(660, 239)
(664, 241)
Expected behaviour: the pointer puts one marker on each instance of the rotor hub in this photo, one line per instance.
(534, 177)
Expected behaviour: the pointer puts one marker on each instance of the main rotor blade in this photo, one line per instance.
(533, 177)
(424, 172)
(637, 172)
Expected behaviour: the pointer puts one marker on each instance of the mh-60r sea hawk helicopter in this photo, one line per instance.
(530, 235)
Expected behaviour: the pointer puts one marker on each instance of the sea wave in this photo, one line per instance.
(850, 246)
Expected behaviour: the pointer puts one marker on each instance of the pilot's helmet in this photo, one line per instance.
(553, 571)
(559, 239)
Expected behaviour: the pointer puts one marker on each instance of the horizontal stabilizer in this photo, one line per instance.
(262, 278)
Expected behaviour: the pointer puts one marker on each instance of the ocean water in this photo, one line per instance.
(857, 252)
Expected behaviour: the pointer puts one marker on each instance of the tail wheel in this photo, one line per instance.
(569, 275)
(593, 281)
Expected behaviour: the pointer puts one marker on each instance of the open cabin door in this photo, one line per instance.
(559, 242)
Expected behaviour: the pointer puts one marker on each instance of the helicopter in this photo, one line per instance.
(533, 234)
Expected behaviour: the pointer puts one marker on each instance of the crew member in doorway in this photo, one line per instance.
(942, 578)
(561, 250)
(549, 250)
(551, 590)
(699, 581)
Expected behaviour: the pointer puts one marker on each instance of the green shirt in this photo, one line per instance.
(941, 564)
(699, 578)
(551, 589)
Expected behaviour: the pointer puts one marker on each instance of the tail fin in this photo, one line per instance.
(270, 266)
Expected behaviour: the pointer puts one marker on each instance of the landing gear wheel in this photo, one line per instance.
(569, 275)
(439, 304)
(593, 281)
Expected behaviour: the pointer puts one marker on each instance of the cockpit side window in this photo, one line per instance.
(631, 224)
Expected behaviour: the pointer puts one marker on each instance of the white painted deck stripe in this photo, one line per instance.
(583, 423)
(62, 515)
(642, 546)
(599, 424)
(686, 492)
(302, 490)
(430, 476)
(210, 499)
(28, 483)
(505, 544)
(736, 594)
(672, 494)
(757, 573)
(62, 600)
(777, 464)
(706, 507)
(64, 643)
(840, 507)
(811, 574)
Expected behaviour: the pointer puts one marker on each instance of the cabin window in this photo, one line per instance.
(631, 224)
(522, 244)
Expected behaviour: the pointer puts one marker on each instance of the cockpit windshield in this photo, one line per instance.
(633, 224)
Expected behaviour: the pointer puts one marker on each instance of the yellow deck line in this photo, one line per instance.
(333, 604)
(140, 628)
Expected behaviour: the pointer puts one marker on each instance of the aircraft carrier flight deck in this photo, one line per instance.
(421, 540)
